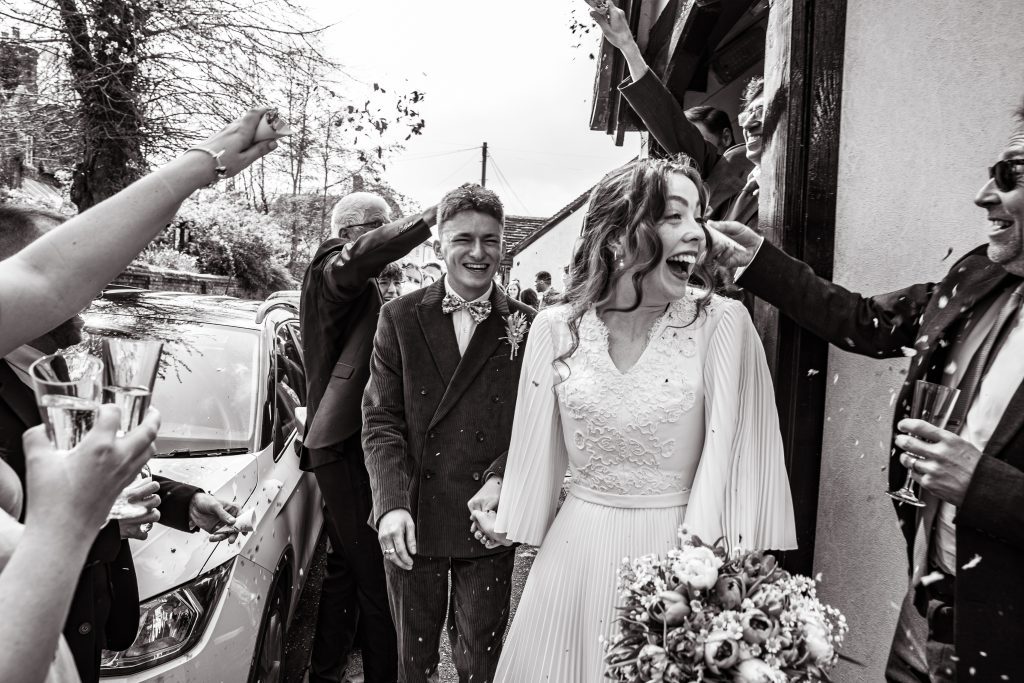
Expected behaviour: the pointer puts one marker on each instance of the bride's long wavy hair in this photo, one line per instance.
(625, 209)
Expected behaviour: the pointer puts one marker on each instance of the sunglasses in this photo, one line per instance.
(1006, 173)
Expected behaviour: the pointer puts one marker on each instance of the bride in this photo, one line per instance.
(657, 398)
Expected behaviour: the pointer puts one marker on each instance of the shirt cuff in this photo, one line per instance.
(741, 269)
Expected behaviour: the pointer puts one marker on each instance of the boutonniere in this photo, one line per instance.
(515, 330)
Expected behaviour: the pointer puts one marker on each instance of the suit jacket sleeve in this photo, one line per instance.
(175, 498)
(881, 326)
(665, 120)
(347, 270)
(385, 442)
(994, 502)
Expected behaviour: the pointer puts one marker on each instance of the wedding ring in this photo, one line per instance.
(146, 528)
(388, 551)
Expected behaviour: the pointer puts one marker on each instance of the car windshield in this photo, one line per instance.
(206, 386)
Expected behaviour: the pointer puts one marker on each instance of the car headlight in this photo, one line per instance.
(170, 624)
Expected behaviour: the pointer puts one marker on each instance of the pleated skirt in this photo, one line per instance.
(567, 611)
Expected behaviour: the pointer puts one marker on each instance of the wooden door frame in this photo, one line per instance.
(803, 95)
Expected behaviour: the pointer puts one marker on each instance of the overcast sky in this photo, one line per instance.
(505, 72)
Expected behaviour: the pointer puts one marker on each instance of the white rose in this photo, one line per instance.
(698, 568)
(754, 671)
(816, 638)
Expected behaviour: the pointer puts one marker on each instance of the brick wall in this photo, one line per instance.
(177, 281)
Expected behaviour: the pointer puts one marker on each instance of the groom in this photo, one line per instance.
(437, 420)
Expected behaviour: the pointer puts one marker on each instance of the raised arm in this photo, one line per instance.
(650, 99)
(881, 326)
(57, 275)
(348, 269)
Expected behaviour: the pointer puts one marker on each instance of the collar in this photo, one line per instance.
(483, 297)
(752, 185)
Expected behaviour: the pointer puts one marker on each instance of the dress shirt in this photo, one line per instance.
(462, 320)
(1004, 376)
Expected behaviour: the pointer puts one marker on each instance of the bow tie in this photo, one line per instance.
(479, 310)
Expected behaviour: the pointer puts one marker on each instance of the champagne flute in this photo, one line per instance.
(129, 372)
(67, 389)
(933, 403)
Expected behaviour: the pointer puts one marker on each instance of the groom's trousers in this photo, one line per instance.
(362, 589)
(477, 608)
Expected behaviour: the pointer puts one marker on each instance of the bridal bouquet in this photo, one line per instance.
(701, 614)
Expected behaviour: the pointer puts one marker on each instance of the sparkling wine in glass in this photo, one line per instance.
(129, 372)
(933, 403)
(67, 389)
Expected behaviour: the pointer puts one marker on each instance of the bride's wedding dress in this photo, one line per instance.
(688, 436)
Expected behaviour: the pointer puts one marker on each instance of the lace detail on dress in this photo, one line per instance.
(618, 416)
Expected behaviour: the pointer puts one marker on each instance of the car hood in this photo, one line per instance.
(169, 558)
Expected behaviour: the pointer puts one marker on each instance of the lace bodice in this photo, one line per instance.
(695, 414)
(638, 432)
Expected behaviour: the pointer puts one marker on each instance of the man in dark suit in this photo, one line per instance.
(966, 546)
(437, 420)
(340, 303)
(104, 612)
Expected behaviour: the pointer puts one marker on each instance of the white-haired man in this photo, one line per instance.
(340, 304)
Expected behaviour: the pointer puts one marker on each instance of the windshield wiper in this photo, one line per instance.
(189, 453)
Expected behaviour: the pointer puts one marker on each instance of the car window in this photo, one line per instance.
(206, 387)
(289, 385)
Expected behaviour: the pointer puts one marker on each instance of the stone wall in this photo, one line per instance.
(159, 279)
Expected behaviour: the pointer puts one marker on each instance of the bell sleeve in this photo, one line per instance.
(537, 458)
(741, 490)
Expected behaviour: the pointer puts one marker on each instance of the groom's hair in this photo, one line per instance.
(22, 225)
(470, 197)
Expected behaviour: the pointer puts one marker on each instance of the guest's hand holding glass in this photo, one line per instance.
(77, 490)
(932, 404)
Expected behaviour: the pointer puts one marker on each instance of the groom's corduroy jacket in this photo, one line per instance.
(436, 426)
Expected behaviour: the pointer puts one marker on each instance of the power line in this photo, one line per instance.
(504, 179)
(465, 163)
(433, 155)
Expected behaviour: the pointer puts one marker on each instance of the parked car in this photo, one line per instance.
(230, 390)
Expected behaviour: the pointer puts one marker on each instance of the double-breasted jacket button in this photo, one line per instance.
(431, 434)
(423, 392)
(85, 628)
(496, 399)
(427, 474)
(479, 436)
(476, 476)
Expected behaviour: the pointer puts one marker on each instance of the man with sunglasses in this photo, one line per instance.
(340, 304)
(966, 544)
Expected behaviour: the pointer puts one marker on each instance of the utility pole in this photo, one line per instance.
(483, 167)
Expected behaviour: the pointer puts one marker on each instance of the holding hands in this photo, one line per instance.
(482, 509)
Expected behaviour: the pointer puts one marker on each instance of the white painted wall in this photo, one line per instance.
(552, 252)
(928, 89)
